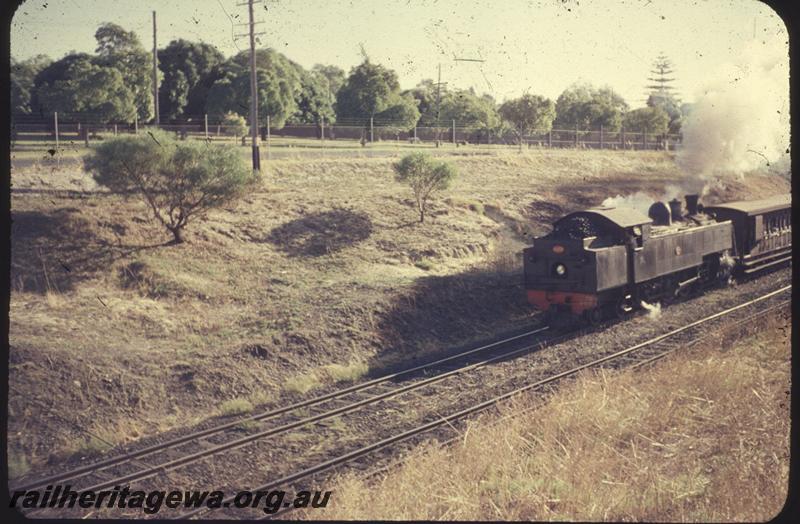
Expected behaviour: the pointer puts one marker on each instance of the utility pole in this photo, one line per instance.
(155, 69)
(253, 91)
(253, 85)
(438, 101)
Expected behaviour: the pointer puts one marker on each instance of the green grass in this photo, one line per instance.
(425, 265)
(349, 373)
(302, 383)
(235, 406)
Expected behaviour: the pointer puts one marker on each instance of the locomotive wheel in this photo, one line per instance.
(593, 316)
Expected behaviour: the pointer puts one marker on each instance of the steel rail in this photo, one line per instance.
(328, 464)
(120, 459)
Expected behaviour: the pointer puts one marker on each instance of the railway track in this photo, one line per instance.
(636, 355)
(197, 446)
(286, 418)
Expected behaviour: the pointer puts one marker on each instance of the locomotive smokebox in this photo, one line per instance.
(660, 214)
(691, 204)
(676, 209)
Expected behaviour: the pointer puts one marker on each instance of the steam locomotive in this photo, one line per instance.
(606, 261)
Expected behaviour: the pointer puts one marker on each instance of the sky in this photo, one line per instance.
(537, 47)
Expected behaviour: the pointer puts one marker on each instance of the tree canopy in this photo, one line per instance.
(121, 50)
(652, 120)
(529, 113)
(371, 89)
(277, 81)
(84, 87)
(670, 105)
(586, 107)
(22, 77)
(185, 66)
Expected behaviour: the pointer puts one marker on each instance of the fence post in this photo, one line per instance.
(115, 129)
(576, 135)
(219, 126)
(55, 128)
(622, 137)
(644, 139)
(454, 130)
(269, 148)
(371, 130)
(136, 124)
(415, 133)
(601, 136)
(550, 139)
(322, 129)
(205, 124)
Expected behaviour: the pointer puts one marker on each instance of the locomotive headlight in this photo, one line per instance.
(561, 270)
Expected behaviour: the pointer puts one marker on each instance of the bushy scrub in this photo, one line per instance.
(425, 176)
(179, 181)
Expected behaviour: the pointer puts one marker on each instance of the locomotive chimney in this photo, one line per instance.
(676, 209)
(691, 204)
(659, 213)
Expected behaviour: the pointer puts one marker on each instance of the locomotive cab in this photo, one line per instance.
(582, 265)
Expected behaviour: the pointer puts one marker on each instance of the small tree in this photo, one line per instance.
(180, 181)
(425, 176)
(235, 125)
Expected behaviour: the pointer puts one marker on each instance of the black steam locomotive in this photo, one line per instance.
(606, 261)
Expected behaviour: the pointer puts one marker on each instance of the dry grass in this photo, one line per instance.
(701, 436)
(323, 263)
(235, 406)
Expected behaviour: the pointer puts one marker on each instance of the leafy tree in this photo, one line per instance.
(401, 113)
(425, 96)
(368, 91)
(313, 99)
(585, 107)
(186, 66)
(53, 72)
(425, 176)
(90, 89)
(234, 124)
(120, 49)
(662, 80)
(23, 75)
(468, 109)
(277, 81)
(334, 77)
(179, 181)
(670, 105)
(529, 113)
(652, 120)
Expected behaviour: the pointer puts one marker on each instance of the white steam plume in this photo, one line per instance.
(642, 201)
(653, 310)
(740, 120)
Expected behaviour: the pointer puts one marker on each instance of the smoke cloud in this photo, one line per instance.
(642, 201)
(740, 120)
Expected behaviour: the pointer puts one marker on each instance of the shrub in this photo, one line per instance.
(425, 176)
(234, 124)
(179, 181)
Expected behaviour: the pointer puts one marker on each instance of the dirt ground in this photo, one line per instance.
(320, 275)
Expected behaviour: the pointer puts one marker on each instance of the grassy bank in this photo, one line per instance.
(700, 436)
(319, 276)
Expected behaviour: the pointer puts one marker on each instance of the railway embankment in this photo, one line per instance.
(701, 435)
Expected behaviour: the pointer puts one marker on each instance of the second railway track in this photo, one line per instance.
(191, 449)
